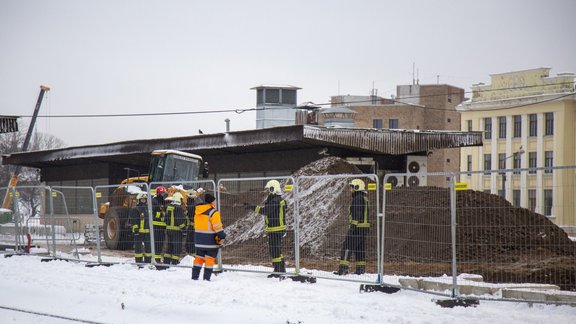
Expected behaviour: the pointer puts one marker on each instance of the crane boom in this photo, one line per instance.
(14, 179)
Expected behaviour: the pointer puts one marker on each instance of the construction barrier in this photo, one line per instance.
(330, 244)
(457, 235)
(246, 207)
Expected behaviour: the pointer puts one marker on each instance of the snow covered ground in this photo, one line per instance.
(126, 294)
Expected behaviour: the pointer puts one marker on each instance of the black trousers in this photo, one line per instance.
(174, 248)
(159, 236)
(142, 247)
(354, 243)
(275, 249)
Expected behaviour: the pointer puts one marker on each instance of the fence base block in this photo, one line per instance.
(299, 278)
(381, 288)
(97, 264)
(457, 302)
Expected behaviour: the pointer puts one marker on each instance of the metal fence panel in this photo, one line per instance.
(11, 223)
(163, 243)
(114, 203)
(509, 237)
(249, 247)
(417, 227)
(327, 242)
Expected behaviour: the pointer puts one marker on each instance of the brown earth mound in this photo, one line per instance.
(493, 239)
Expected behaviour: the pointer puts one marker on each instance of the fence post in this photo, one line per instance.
(453, 234)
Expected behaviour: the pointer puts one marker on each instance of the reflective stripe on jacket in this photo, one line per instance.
(358, 214)
(208, 227)
(274, 210)
(175, 220)
(139, 220)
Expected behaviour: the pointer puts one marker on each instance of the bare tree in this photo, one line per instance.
(12, 143)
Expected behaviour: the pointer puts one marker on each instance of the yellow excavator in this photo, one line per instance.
(14, 179)
(170, 166)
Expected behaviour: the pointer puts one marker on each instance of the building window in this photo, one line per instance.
(501, 161)
(517, 126)
(517, 163)
(260, 96)
(469, 125)
(469, 164)
(548, 202)
(533, 124)
(532, 200)
(487, 163)
(549, 129)
(393, 123)
(272, 96)
(487, 128)
(289, 97)
(376, 123)
(548, 161)
(502, 127)
(516, 198)
(532, 160)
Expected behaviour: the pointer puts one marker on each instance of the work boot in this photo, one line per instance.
(276, 269)
(196, 273)
(360, 270)
(207, 274)
(342, 270)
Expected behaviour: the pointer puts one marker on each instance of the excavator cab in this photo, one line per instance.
(175, 166)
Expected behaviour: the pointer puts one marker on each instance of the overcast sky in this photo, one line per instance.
(112, 57)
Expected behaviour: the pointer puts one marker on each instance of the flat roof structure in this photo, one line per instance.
(271, 149)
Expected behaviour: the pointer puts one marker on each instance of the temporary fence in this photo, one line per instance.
(329, 245)
(251, 245)
(463, 236)
(508, 235)
(457, 242)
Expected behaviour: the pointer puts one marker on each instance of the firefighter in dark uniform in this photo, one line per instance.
(159, 222)
(139, 220)
(274, 211)
(355, 241)
(175, 223)
(208, 237)
(190, 212)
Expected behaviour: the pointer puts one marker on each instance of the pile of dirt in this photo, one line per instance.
(493, 239)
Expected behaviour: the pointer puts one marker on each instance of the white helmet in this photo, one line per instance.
(357, 185)
(273, 187)
(177, 197)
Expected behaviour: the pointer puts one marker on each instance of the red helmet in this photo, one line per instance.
(160, 190)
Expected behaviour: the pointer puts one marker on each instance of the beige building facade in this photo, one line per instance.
(529, 122)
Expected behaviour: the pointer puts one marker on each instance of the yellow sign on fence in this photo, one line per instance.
(461, 186)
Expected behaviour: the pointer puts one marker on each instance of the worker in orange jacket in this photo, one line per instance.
(208, 237)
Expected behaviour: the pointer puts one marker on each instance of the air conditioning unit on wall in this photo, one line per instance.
(416, 169)
(396, 181)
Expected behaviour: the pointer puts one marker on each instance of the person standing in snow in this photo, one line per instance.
(274, 211)
(208, 237)
(175, 223)
(141, 229)
(159, 222)
(355, 241)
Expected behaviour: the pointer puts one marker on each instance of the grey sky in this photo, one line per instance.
(110, 57)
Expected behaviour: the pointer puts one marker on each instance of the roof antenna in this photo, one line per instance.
(413, 75)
